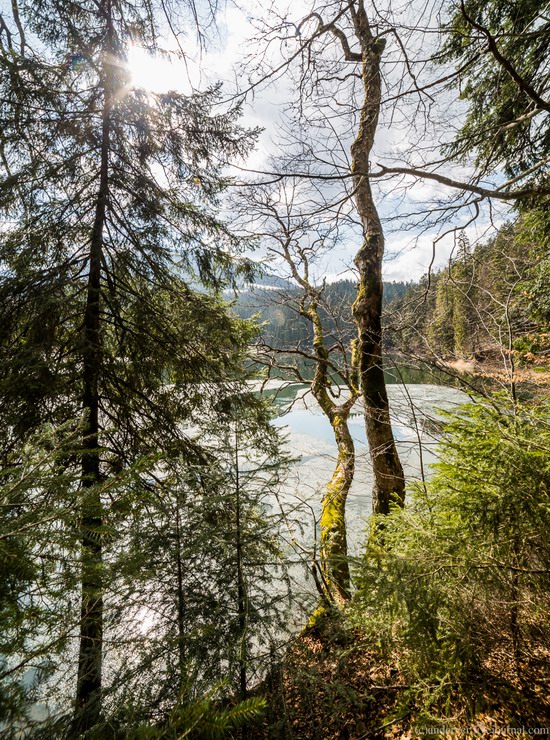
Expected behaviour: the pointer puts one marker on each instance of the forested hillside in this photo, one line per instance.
(489, 305)
(277, 309)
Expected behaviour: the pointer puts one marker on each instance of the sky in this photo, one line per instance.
(409, 251)
(409, 248)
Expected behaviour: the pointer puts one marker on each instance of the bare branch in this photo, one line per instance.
(498, 193)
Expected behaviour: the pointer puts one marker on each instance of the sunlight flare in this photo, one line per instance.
(156, 73)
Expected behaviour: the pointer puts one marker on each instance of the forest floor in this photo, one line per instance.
(335, 685)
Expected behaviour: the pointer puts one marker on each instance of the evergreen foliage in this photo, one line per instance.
(488, 304)
(284, 328)
(502, 50)
(458, 586)
(35, 529)
(109, 198)
(144, 591)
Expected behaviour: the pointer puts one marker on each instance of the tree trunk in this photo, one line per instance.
(88, 691)
(180, 599)
(334, 568)
(241, 586)
(389, 483)
(334, 546)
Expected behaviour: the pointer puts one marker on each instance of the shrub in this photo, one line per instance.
(457, 582)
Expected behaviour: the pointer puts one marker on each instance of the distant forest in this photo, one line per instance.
(276, 304)
(491, 304)
(492, 299)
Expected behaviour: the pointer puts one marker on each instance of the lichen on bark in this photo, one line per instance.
(389, 482)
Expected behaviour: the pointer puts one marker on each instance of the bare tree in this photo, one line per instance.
(350, 62)
(350, 38)
(297, 241)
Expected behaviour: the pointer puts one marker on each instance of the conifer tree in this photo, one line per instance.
(440, 329)
(501, 52)
(35, 517)
(108, 191)
(197, 575)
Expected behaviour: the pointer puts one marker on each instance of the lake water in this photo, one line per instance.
(416, 419)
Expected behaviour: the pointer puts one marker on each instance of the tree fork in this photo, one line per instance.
(334, 581)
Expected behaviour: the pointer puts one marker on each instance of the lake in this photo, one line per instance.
(416, 421)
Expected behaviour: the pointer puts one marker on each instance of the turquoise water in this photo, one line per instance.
(416, 416)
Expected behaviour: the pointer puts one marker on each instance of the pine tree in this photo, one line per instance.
(440, 329)
(200, 577)
(501, 50)
(463, 280)
(35, 519)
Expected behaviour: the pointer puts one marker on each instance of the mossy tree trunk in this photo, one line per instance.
(333, 537)
(334, 546)
(334, 581)
(389, 483)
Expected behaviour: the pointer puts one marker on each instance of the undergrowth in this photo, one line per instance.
(449, 627)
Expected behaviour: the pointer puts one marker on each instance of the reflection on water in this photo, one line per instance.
(415, 422)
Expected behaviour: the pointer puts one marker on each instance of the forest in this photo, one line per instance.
(274, 369)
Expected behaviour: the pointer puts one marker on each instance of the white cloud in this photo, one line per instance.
(400, 140)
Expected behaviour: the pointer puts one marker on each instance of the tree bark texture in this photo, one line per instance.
(241, 585)
(180, 598)
(333, 538)
(334, 568)
(389, 482)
